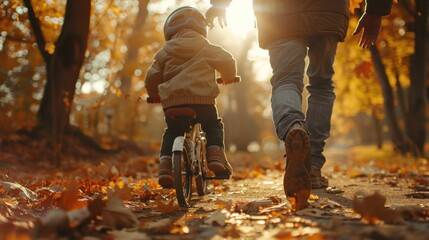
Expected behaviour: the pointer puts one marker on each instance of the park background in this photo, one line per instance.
(381, 95)
(72, 90)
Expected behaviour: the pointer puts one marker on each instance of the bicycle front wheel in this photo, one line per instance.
(200, 158)
(182, 176)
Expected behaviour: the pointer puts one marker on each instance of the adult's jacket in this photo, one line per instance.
(282, 19)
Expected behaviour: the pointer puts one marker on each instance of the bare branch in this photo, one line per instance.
(35, 25)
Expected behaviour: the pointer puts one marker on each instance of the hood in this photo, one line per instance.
(185, 44)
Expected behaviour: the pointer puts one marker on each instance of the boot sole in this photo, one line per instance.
(317, 183)
(296, 181)
(166, 181)
(218, 168)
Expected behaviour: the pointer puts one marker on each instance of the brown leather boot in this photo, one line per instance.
(165, 172)
(217, 162)
(296, 181)
(317, 179)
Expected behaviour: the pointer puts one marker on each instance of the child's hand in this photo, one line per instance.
(228, 81)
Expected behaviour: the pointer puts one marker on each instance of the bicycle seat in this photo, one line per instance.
(177, 112)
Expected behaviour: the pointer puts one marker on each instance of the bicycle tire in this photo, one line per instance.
(200, 157)
(182, 174)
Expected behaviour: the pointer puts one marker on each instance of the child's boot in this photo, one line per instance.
(165, 172)
(217, 162)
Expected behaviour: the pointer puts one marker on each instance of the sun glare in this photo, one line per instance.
(240, 17)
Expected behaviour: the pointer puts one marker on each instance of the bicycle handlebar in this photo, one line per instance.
(236, 79)
(219, 80)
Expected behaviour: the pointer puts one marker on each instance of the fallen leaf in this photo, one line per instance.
(129, 235)
(275, 199)
(54, 220)
(70, 196)
(370, 207)
(334, 190)
(116, 216)
(11, 232)
(364, 69)
(255, 207)
(326, 203)
(354, 173)
(419, 187)
(217, 218)
(160, 206)
(179, 228)
(283, 234)
(122, 190)
(312, 232)
(277, 210)
(233, 232)
(160, 226)
(19, 190)
(420, 195)
(313, 212)
(223, 204)
(413, 212)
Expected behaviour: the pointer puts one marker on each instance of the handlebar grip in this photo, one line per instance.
(237, 79)
(153, 100)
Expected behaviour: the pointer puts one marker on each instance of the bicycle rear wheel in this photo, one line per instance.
(182, 174)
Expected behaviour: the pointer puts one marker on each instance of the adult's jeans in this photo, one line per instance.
(287, 58)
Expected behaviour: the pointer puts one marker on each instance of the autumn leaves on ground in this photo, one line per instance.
(374, 194)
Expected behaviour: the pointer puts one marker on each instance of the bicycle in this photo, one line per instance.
(189, 154)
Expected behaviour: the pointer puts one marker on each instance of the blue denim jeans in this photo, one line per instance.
(287, 58)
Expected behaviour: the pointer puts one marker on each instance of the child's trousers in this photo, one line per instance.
(211, 124)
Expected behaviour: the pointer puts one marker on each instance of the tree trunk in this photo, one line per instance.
(62, 67)
(417, 98)
(243, 128)
(400, 94)
(378, 130)
(398, 139)
(133, 45)
(135, 41)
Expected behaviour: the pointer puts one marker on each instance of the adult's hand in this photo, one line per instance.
(216, 12)
(370, 25)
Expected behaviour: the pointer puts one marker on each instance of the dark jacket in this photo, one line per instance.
(281, 19)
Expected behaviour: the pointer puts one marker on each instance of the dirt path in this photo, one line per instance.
(252, 205)
(255, 208)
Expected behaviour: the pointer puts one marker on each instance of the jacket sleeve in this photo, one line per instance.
(223, 62)
(154, 76)
(220, 3)
(378, 7)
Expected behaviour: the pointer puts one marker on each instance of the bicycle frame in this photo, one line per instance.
(194, 138)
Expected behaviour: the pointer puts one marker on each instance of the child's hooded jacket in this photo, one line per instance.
(183, 71)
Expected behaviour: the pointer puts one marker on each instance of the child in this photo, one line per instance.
(183, 74)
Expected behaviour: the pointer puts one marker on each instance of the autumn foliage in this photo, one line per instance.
(106, 187)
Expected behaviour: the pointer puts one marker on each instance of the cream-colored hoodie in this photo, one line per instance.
(183, 71)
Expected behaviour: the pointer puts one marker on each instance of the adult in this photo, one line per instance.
(291, 30)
